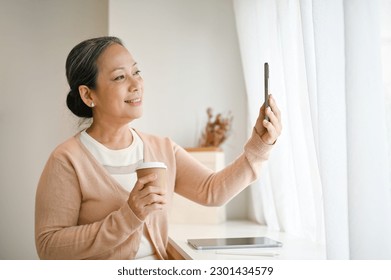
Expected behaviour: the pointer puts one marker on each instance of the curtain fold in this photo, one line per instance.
(329, 49)
(327, 177)
(368, 167)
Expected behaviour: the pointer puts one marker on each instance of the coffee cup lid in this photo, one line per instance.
(151, 164)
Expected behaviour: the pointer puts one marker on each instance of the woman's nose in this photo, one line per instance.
(134, 84)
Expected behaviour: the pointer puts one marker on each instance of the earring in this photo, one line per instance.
(92, 105)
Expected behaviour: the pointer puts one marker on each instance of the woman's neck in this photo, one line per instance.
(114, 137)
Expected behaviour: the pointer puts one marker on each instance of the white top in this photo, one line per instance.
(121, 164)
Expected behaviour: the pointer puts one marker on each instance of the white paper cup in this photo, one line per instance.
(158, 168)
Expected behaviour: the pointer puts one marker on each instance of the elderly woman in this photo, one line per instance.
(89, 202)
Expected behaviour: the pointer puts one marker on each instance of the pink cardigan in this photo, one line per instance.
(81, 212)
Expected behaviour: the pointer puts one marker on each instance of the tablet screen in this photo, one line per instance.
(241, 242)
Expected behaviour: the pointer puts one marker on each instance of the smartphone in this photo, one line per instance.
(266, 80)
(233, 243)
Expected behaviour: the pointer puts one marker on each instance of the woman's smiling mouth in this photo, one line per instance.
(134, 101)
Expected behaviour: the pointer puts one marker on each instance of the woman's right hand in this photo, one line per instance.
(145, 199)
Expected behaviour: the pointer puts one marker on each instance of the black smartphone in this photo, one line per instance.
(266, 80)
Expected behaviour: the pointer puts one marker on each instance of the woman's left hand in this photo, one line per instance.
(269, 130)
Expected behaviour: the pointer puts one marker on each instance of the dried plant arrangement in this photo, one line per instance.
(217, 130)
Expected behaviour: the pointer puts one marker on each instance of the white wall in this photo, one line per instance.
(36, 37)
(189, 57)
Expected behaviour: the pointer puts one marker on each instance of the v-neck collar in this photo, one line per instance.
(101, 168)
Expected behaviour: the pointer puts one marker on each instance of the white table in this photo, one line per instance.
(293, 248)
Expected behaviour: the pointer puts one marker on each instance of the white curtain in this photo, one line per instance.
(327, 178)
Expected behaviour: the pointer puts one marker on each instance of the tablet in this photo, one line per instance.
(230, 243)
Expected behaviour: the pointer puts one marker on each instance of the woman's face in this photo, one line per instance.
(119, 87)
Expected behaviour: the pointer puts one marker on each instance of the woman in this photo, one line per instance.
(89, 202)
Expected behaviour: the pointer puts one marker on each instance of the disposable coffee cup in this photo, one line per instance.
(158, 168)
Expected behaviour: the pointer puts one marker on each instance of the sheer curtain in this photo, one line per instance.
(327, 178)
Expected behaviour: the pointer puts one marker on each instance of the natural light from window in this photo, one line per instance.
(386, 61)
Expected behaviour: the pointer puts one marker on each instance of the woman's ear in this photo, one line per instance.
(86, 95)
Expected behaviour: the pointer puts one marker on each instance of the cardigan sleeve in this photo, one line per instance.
(57, 233)
(200, 184)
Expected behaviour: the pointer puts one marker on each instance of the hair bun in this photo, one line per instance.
(77, 106)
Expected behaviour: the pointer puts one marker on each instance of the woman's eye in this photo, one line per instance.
(121, 77)
(137, 73)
